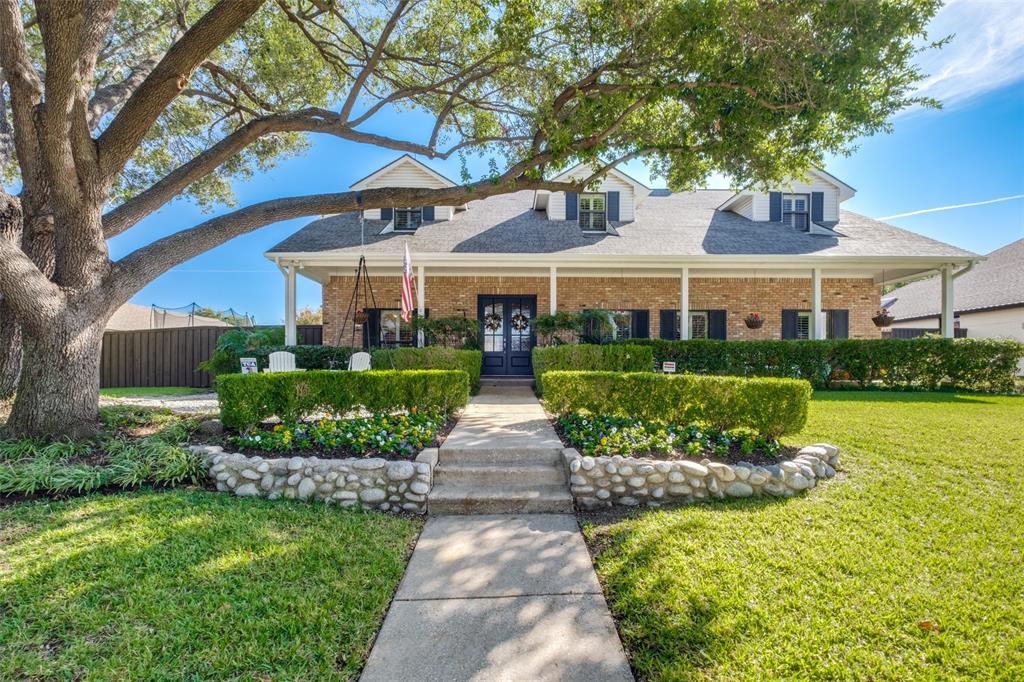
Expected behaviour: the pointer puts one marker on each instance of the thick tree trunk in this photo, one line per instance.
(10, 351)
(58, 394)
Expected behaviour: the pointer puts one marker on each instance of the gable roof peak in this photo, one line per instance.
(406, 158)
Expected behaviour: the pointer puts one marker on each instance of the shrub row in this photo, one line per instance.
(431, 357)
(773, 407)
(306, 357)
(625, 357)
(248, 399)
(976, 364)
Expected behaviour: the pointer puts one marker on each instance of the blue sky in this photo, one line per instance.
(970, 151)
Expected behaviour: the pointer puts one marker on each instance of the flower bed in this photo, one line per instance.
(391, 436)
(602, 435)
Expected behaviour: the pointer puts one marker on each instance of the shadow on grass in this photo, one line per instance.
(904, 397)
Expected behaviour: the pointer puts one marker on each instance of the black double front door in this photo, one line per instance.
(506, 334)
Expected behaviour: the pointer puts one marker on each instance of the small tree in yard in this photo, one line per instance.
(108, 110)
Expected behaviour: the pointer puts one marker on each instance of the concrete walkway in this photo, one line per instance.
(503, 596)
(500, 597)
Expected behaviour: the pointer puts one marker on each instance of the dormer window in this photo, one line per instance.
(593, 212)
(408, 219)
(796, 211)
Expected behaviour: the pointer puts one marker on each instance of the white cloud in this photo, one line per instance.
(986, 52)
(952, 206)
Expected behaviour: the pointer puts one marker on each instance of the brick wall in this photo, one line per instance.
(448, 296)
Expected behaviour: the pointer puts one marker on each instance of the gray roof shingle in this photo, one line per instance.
(667, 224)
(994, 282)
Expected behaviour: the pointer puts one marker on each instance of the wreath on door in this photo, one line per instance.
(492, 322)
(520, 322)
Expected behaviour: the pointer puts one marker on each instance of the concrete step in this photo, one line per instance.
(499, 455)
(506, 499)
(503, 382)
(499, 474)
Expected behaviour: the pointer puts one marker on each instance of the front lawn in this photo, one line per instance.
(193, 585)
(910, 567)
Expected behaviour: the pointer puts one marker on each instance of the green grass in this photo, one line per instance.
(149, 391)
(927, 525)
(193, 585)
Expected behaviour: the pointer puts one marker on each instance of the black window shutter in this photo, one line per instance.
(572, 200)
(387, 213)
(668, 325)
(640, 325)
(371, 328)
(428, 213)
(817, 207)
(613, 205)
(775, 207)
(716, 324)
(789, 324)
(838, 325)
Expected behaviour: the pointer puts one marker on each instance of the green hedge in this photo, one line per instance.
(774, 407)
(624, 357)
(431, 357)
(248, 399)
(307, 357)
(975, 364)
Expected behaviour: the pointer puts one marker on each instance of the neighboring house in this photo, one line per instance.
(132, 316)
(675, 265)
(988, 301)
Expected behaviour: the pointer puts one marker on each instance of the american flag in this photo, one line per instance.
(407, 287)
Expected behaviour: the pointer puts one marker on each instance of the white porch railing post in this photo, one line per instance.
(290, 330)
(684, 304)
(817, 324)
(421, 297)
(554, 290)
(946, 320)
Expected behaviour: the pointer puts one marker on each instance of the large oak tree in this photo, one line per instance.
(108, 110)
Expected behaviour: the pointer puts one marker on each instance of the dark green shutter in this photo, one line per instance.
(775, 207)
(572, 200)
(838, 325)
(387, 213)
(716, 324)
(428, 213)
(789, 324)
(668, 325)
(817, 207)
(613, 205)
(640, 324)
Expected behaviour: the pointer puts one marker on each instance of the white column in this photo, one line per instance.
(421, 297)
(946, 322)
(290, 330)
(554, 290)
(817, 319)
(684, 304)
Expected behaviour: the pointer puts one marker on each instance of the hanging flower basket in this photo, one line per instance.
(360, 316)
(883, 319)
(520, 322)
(492, 322)
(754, 321)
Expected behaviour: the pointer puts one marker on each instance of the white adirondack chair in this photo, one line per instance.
(359, 362)
(281, 361)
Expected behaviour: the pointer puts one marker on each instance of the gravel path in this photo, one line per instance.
(199, 403)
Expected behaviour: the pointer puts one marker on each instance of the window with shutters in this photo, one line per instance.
(392, 330)
(698, 324)
(408, 219)
(593, 212)
(796, 211)
(803, 324)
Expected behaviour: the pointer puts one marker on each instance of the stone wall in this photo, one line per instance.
(449, 296)
(372, 483)
(627, 481)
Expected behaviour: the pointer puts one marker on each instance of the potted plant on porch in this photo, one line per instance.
(754, 320)
(883, 318)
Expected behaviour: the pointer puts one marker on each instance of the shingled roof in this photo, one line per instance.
(667, 224)
(996, 282)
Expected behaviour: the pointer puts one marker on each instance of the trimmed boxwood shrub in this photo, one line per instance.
(773, 407)
(431, 357)
(248, 399)
(623, 357)
(975, 364)
(307, 357)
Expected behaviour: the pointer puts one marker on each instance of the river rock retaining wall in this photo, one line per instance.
(372, 483)
(628, 481)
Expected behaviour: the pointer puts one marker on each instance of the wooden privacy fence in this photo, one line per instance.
(169, 357)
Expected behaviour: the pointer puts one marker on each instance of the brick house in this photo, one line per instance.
(811, 269)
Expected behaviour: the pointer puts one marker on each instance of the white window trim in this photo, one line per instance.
(604, 211)
(806, 212)
(410, 209)
(806, 316)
